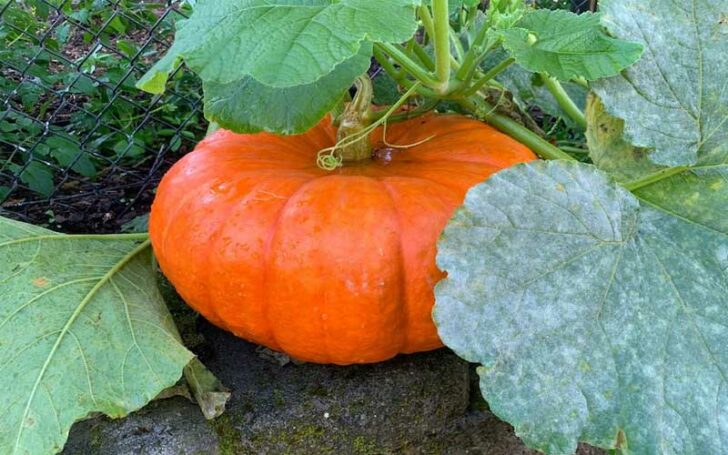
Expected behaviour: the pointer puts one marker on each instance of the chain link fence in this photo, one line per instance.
(81, 149)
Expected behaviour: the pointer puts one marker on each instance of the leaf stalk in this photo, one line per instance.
(379, 54)
(489, 75)
(441, 39)
(403, 60)
(654, 177)
(564, 100)
(483, 110)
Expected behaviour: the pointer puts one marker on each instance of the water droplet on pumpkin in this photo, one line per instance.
(221, 188)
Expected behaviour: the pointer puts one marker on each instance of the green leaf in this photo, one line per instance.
(155, 80)
(503, 14)
(39, 177)
(83, 329)
(386, 89)
(282, 43)
(137, 224)
(65, 152)
(567, 46)
(609, 150)
(598, 315)
(680, 81)
(247, 106)
(211, 395)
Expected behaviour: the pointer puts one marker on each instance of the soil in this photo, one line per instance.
(84, 206)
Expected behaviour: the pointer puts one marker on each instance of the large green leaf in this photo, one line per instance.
(598, 315)
(279, 43)
(82, 329)
(698, 193)
(566, 45)
(247, 106)
(681, 79)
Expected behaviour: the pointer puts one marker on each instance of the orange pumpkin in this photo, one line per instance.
(331, 267)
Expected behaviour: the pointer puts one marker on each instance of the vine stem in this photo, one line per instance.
(361, 133)
(424, 57)
(379, 54)
(211, 128)
(653, 178)
(564, 100)
(493, 72)
(408, 64)
(441, 40)
(471, 56)
(138, 236)
(568, 148)
(427, 21)
(459, 50)
(484, 111)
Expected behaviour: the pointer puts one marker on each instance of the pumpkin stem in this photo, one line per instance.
(355, 119)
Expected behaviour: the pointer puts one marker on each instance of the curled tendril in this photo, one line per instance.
(329, 160)
(402, 146)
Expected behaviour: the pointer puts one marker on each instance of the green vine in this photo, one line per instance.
(415, 69)
(441, 39)
(564, 100)
(654, 177)
(482, 110)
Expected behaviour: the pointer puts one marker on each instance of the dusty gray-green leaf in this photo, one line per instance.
(567, 46)
(598, 315)
(674, 100)
(83, 329)
(693, 192)
(281, 43)
(686, 190)
(247, 106)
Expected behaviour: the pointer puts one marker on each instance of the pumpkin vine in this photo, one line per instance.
(416, 214)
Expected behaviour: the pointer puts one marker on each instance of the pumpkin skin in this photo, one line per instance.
(329, 267)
